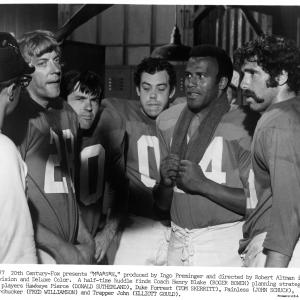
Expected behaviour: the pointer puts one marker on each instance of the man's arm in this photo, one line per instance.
(280, 147)
(85, 243)
(163, 191)
(115, 199)
(191, 180)
(104, 237)
(163, 196)
(62, 251)
(276, 260)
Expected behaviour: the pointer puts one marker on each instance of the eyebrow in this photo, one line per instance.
(79, 96)
(147, 83)
(48, 58)
(196, 72)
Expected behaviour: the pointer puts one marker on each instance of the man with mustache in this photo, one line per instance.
(205, 152)
(271, 79)
(143, 240)
(44, 128)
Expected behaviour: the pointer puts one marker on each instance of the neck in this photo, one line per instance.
(284, 94)
(41, 101)
(2, 115)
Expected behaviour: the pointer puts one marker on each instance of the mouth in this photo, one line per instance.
(87, 117)
(252, 99)
(153, 105)
(57, 81)
(193, 94)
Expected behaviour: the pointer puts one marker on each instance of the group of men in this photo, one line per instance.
(138, 182)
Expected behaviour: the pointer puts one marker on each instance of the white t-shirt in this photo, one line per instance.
(16, 231)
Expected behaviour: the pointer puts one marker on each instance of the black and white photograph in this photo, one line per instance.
(137, 139)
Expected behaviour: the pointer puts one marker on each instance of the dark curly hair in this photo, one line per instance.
(152, 65)
(273, 54)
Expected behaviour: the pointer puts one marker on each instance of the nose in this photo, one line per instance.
(55, 66)
(191, 81)
(88, 105)
(153, 95)
(244, 83)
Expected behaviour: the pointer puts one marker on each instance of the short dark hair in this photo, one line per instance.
(273, 54)
(152, 65)
(89, 82)
(224, 62)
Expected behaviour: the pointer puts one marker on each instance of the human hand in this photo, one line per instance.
(102, 242)
(168, 169)
(190, 177)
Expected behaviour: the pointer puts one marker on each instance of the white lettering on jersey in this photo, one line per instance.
(252, 199)
(52, 186)
(92, 173)
(212, 161)
(143, 143)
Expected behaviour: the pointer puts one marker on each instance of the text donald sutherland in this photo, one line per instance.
(149, 284)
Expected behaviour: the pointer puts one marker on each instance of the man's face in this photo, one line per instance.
(154, 92)
(201, 85)
(85, 105)
(45, 83)
(254, 87)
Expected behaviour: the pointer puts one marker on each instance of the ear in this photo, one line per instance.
(172, 92)
(10, 91)
(282, 78)
(223, 83)
(138, 91)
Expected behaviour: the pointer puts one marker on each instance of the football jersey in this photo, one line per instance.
(102, 167)
(46, 140)
(276, 167)
(142, 155)
(225, 161)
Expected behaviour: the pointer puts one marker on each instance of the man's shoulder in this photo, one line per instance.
(6, 143)
(62, 113)
(240, 122)
(236, 114)
(169, 117)
(125, 107)
(8, 150)
(63, 107)
(110, 120)
(283, 115)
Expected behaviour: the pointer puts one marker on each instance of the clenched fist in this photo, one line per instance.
(190, 178)
(168, 169)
